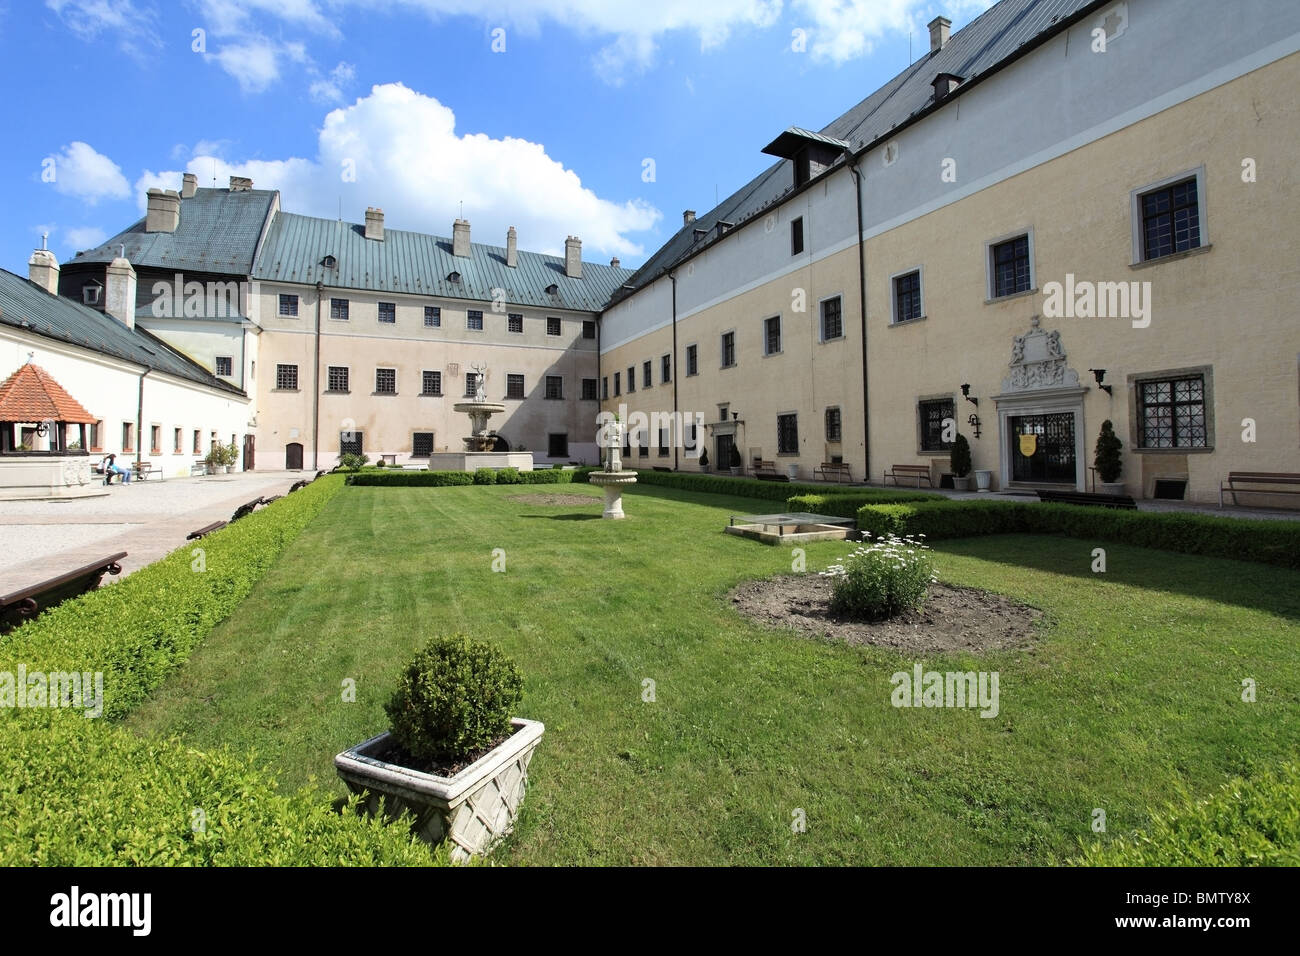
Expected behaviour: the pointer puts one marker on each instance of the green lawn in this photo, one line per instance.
(1132, 692)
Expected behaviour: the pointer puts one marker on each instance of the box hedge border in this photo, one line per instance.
(1265, 542)
(79, 791)
(773, 490)
(483, 476)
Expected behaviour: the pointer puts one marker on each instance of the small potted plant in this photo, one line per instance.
(230, 457)
(733, 460)
(961, 464)
(214, 459)
(454, 756)
(704, 460)
(1107, 460)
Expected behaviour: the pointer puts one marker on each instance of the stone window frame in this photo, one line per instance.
(893, 295)
(921, 450)
(1136, 259)
(990, 295)
(1134, 379)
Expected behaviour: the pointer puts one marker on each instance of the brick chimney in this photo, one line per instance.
(43, 269)
(512, 248)
(688, 217)
(119, 292)
(460, 238)
(164, 212)
(240, 184)
(939, 28)
(374, 223)
(573, 257)
(189, 185)
(615, 264)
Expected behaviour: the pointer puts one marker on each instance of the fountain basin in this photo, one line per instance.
(473, 460)
(613, 482)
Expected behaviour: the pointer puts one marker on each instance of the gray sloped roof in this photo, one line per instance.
(418, 264)
(25, 305)
(218, 232)
(977, 49)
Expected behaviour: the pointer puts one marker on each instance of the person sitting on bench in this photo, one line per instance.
(111, 469)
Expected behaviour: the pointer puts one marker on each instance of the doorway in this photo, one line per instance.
(723, 445)
(293, 456)
(249, 457)
(1043, 448)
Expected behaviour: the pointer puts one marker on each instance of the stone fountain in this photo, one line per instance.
(612, 478)
(480, 442)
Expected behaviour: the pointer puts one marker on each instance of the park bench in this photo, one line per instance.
(318, 474)
(1087, 498)
(198, 469)
(246, 509)
(267, 501)
(1258, 478)
(299, 484)
(206, 529)
(662, 468)
(911, 472)
(143, 469)
(23, 605)
(766, 471)
(833, 471)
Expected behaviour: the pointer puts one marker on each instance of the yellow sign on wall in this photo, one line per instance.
(1028, 445)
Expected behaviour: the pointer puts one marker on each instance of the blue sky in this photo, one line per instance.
(540, 115)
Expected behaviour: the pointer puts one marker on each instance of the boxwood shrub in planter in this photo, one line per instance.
(454, 757)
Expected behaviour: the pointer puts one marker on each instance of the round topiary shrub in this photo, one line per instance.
(484, 476)
(454, 699)
(1106, 456)
(960, 458)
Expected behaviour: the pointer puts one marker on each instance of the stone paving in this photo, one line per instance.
(146, 519)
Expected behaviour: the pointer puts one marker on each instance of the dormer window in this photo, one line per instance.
(810, 153)
(724, 227)
(329, 262)
(453, 277)
(944, 84)
(92, 293)
(698, 234)
(552, 289)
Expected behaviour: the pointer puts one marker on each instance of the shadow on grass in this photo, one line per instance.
(565, 517)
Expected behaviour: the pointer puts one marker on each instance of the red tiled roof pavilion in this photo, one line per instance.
(32, 395)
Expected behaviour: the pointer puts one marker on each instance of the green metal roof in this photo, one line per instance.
(218, 232)
(25, 305)
(419, 264)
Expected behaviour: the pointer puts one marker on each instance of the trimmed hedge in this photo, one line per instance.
(1265, 542)
(770, 490)
(441, 479)
(1253, 822)
(83, 792)
(846, 504)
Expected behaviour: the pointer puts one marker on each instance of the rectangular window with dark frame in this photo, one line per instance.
(692, 360)
(728, 349)
(832, 320)
(796, 236)
(128, 436)
(833, 428)
(351, 443)
(286, 378)
(432, 317)
(666, 369)
(198, 442)
(515, 323)
(155, 439)
(933, 416)
(474, 320)
(557, 445)
(471, 384)
(554, 386)
(225, 365)
(772, 335)
(388, 313)
(336, 379)
(385, 381)
(631, 379)
(787, 434)
(514, 385)
(646, 380)
(1171, 413)
(177, 441)
(589, 390)
(588, 328)
(430, 383)
(617, 387)
(907, 297)
(604, 387)
(421, 444)
(1011, 274)
(663, 443)
(288, 305)
(552, 325)
(1171, 220)
(643, 443)
(339, 309)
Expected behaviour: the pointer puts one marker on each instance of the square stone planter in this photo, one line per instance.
(472, 809)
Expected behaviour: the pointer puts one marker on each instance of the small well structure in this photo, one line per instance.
(791, 527)
(36, 458)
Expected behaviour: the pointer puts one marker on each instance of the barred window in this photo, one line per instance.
(225, 365)
(787, 434)
(618, 378)
(288, 305)
(554, 386)
(832, 320)
(514, 386)
(474, 319)
(386, 381)
(351, 443)
(471, 384)
(833, 424)
(515, 322)
(604, 387)
(663, 443)
(339, 309)
(646, 380)
(907, 297)
(431, 383)
(557, 445)
(631, 379)
(286, 377)
(1011, 266)
(388, 312)
(337, 378)
(932, 415)
(1171, 413)
(588, 328)
(1171, 220)
(421, 444)
(552, 325)
(589, 390)
(432, 317)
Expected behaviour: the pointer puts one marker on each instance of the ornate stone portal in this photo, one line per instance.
(1038, 361)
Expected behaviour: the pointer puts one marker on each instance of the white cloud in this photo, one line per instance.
(85, 174)
(255, 62)
(843, 30)
(330, 89)
(90, 18)
(83, 237)
(410, 161)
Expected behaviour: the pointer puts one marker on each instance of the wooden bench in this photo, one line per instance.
(1258, 478)
(206, 529)
(298, 484)
(23, 605)
(833, 471)
(318, 474)
(766, 471)
(1088, 498)
(911, 472)
(246, 509)
(267, 501)
(143, 469)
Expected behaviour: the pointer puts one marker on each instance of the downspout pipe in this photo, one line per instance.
(315, 397)
(862, 302)
(139, 420)
(673, 369)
